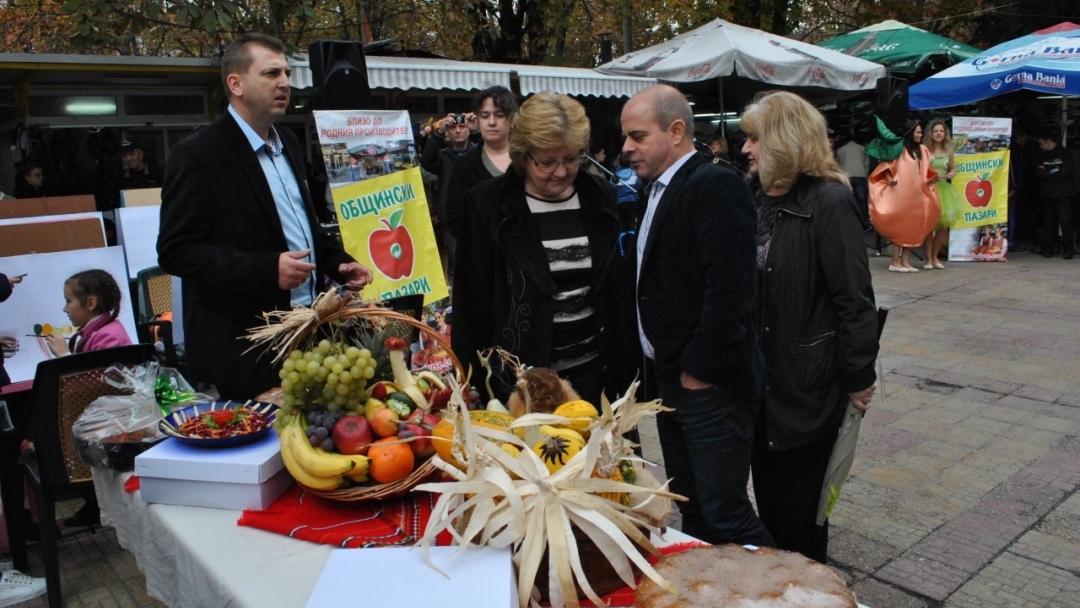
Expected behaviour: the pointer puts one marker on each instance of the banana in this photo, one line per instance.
(318, 465)
(432, 378)
(359, 474)
(289, 435)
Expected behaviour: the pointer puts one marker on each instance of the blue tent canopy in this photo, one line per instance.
(1046, 62)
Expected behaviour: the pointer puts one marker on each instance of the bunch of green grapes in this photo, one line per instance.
(329, 376)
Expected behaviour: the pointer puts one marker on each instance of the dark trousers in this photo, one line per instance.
(1057, 211)
(706, 443)
(860, 187)
(787, 487)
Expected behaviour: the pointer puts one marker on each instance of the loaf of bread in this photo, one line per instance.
(730, 576)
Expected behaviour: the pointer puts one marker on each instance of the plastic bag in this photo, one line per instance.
(115, 428)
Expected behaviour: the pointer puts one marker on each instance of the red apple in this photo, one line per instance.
(439, 398)
(391, 249)
(422, 447)
(381, 389)
(353, 435)
(979, 191)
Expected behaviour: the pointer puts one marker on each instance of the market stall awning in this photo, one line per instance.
(577, 81)
(1046, 63)
(901, 48)
(406, 73)
(425, 73)
(723, 49)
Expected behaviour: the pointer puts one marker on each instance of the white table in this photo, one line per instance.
(195, 557)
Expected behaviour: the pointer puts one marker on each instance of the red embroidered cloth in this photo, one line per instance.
(380, 523)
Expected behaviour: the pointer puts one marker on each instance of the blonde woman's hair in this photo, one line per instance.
(547, 120)
(946, 144)
(793, 138)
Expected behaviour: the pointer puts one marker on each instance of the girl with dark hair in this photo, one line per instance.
(904, 204)
(92, 302)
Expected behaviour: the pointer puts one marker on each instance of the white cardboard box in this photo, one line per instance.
(250, 476)
(475, 578)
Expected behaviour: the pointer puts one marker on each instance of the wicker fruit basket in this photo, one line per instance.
(332, 311)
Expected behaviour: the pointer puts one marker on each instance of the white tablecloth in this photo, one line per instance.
(195, 557)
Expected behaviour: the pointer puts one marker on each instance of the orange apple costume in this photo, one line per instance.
(903, 205)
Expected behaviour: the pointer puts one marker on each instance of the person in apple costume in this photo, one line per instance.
(238, 226)
(816, 305)
(493, 115)
(904, 205)
(538, 266)
(942, 163)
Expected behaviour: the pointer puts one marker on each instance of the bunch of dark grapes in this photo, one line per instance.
(320, 425)
(474, 401)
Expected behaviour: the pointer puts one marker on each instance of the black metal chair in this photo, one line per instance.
(155, 299)
(63, 388)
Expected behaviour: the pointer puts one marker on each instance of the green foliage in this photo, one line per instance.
(552, 32)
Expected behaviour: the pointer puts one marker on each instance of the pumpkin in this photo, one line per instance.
(581, 411)
(557, 446)
(444, 431)
(625, 473)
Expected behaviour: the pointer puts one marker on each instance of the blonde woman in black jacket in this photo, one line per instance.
(816, 305)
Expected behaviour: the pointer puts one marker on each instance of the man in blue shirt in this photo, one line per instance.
(238, 225)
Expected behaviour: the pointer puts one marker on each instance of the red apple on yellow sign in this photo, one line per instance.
(979, 191)
(391, 249)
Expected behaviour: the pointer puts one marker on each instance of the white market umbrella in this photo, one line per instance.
(722, 49)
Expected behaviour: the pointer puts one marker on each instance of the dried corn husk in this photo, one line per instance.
(537, 509)
(287, 330)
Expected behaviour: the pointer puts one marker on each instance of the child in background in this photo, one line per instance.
(92, 303)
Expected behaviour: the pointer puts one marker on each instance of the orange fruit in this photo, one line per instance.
(384, 423)
(390, 461)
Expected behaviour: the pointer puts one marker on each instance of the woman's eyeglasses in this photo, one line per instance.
(549, 166)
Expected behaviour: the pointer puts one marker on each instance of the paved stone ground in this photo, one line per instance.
(964, 491)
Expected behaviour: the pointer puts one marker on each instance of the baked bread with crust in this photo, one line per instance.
(730, 576)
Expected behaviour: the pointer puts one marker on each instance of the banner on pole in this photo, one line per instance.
(982, 181)
(382, 210)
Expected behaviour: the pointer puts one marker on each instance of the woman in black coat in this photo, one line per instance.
(537, 268)
(818, 321)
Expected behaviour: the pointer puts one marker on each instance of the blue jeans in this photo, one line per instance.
(706, 443)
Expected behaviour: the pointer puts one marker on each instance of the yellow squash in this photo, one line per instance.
(583, 413)
(557, 446)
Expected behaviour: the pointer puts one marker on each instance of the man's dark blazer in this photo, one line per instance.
(221, 233)
(696, 288)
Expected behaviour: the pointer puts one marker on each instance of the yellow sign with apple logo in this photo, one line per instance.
(982, 181)
(385, 225)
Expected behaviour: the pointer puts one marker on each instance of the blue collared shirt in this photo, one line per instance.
(287, 198)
